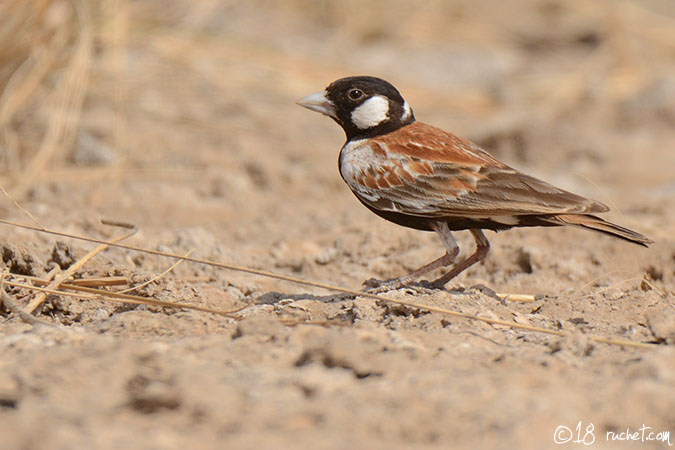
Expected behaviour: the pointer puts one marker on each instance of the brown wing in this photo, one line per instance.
(424, 171)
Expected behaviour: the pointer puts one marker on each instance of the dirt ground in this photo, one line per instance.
(179, 118)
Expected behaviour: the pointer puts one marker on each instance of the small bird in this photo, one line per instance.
(421, 177)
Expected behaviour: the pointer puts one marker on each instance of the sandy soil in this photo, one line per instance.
(188, 130)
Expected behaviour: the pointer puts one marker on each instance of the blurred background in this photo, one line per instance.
(176, 114)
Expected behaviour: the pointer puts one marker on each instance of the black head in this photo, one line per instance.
(363, 106)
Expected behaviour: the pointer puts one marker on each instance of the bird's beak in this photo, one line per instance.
(318, 102)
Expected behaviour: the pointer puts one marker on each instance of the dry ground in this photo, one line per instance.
(179, 117)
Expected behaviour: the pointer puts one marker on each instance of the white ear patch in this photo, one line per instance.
(406, 112)
(371, 113)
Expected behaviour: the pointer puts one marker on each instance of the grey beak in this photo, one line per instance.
(318, 102)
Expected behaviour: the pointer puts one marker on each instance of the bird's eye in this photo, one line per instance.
(355, 94)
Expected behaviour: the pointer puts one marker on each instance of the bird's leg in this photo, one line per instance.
(482, 249)
(451, 252)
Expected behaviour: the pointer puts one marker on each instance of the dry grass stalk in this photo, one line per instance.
(98, 294)
(40, 298)
(45, 59)
(65, 102)
(18, 206)
(325, 286)
(155, 278)
(86, 282)
(521, 298)
(24, 68)
(15, 308)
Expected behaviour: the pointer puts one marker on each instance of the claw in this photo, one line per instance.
(424, 287)
(375, 286)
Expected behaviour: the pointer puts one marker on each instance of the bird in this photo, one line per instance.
(422, 177)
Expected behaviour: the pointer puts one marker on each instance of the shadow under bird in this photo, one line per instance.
(419, 176)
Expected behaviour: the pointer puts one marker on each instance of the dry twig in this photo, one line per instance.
(40, 298)
(155, 278)
(329, 287)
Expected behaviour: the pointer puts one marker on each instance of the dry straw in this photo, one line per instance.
(54, 39)
(42, 38)
(263, 273)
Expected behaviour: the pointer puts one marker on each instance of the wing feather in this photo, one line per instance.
(424, 171)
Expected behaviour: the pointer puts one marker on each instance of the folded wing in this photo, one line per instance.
(424, 171)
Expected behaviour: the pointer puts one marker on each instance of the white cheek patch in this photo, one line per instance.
(371, 113)
(406, 112)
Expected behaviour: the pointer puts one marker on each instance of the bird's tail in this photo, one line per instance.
(597, 224)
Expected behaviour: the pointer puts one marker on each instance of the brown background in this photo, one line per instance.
(179, 117)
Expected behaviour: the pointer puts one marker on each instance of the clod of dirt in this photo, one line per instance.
(654, 273)
(258, 175)
(401, 311)
(336, 349)
(19, 261)
(9, 391)
(662, 324)
(258, 326)
(148, 395)
(62, 255)
(578, 321)
(330, 359)
(573, 346)
(524, 261)
(326, 256)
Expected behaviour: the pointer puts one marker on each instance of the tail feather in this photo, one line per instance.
(597, 224)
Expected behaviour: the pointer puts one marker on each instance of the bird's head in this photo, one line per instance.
(363, 106)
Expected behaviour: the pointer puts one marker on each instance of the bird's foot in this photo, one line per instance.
(375, 286)
(487, 291)
(436, 285)
(424, 287)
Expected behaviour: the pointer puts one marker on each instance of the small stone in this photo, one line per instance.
(662, 324)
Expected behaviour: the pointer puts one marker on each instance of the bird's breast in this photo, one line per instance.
(365, 168)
